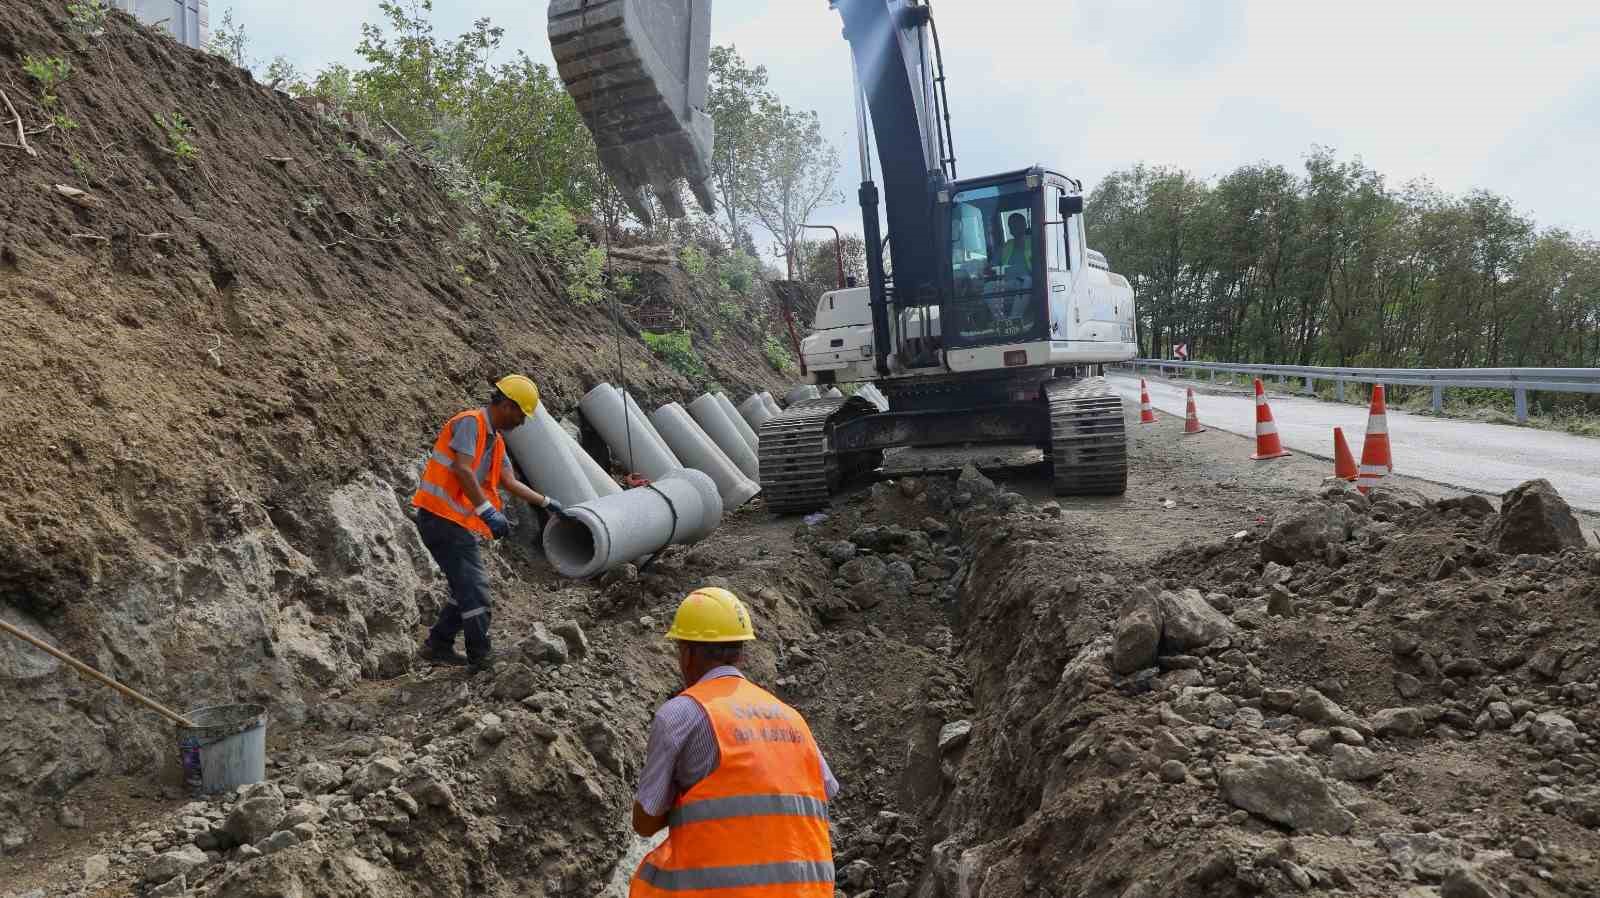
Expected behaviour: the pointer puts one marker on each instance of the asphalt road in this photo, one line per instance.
(1472, 455)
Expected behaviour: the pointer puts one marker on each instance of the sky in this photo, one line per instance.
(1469, 94)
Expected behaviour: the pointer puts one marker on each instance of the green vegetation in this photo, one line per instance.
(178, 131)
(88, 17)
(677, 350)
(1333, 266)
(778, 355)
(693, 260)
(551, 229)
(50, 72)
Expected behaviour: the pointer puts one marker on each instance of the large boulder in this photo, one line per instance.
(1138, 632)
(1188, 621)
(1285, 790)
(1305, 531)
(1534, 519)
(257, 814)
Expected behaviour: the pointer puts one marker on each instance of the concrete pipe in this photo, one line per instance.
(755, 412)
(874, 396)
(636, 414)
(802, 393)
(544, 452)
(739, 423)
(772, 404)
(833, 393)
(700, 452)
(609, 532)
(602, 482)
(709, 415)
(649, 456)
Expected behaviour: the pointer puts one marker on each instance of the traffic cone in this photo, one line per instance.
(1375, 459)
(1267, 443)
(1191, 419)
(1344, 464)
(1147, 412)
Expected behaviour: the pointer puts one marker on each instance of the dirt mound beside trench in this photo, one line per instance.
(224, 357)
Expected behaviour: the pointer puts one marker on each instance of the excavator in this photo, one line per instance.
(985, 319)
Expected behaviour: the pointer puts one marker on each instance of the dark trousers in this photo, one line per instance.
(455, 550)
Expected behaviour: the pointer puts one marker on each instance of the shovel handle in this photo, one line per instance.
(88, 671)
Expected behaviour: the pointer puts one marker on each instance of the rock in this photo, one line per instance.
(177, 885)
(840, 552)
(247, 853)
(301, 812)
(973, 481)
(1285, 790)
(1407, 685)
(1500, 715)
(1189, 622)
(174, 863)
(1347, 736)
(1426, 856)
(570, 632)
(1169, 747)
(603, 742)
(543, 647)
(95, 868)
(278, 841)
(515, 682)
(429, 790)
(1546, 662)
(1305, 531)
(318, 777)
(1280, 602)
(1534, 519)
(1398, 722)
(256, 815)
(1318, 708)
(1173, 772)
(866, 569)
(1353, 764)
(1464, 882)
(1279, 699)
(376, 776)
(1138, 635)
(491, 730)
(856, 874)
(1315, 738)
(1527, 848)
(1555, 733)
(953, 735)
(1582, 806)
(1274, 574)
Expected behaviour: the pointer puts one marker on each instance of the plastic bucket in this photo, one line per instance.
(225, 749)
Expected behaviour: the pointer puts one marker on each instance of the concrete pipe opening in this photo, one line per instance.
(571, 543)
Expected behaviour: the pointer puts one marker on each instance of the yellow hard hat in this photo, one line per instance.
(520, 390)
(710, 614)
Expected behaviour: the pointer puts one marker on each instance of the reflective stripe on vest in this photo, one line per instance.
(782, 873)
(759, 820)
(440, 492)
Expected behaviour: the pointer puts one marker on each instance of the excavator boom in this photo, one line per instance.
(638, 71)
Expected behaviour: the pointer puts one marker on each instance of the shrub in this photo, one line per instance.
(693, 259)
(677, 350)
(178, 132)
(551, 228)
(738, 272)
(778, 355)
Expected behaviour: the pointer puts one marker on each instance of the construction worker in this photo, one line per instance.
(459, 503)
(732, 771)
(1019, 249)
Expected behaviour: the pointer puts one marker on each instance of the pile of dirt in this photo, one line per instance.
(232, 327)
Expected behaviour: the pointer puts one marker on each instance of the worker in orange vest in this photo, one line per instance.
(733, 772)
(458, 503)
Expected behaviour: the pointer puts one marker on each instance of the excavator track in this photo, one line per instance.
(799, 468)
(1088, 449)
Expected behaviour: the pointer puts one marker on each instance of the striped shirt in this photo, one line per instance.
(683, 751)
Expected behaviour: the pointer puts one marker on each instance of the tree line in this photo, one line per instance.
(1332, 266)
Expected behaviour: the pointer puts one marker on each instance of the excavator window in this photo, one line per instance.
(993, 247)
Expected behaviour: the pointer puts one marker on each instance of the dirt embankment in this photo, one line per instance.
(223, 358)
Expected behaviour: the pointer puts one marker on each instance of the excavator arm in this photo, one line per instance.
(638, 71)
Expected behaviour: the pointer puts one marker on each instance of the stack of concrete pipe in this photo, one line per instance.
(802, 393)
(747, 432)
(681, 508)
(700, 452)
(628, 433)
(832, 393)
(772, 404)
(756, 411)
(718, 425)
(875, 396)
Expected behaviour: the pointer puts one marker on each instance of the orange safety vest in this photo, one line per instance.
(758, 824)
(440, 491)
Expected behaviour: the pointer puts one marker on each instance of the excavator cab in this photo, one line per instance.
(997, 252)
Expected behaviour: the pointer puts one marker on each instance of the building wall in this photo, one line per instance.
(187, 20)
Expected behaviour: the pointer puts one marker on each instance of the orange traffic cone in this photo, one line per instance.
(1375, 459)
(1191, 419)
(1267, 443)
(1147, 412)
(1344, 464)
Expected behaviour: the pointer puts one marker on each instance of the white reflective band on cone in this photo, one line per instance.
(1266, 427)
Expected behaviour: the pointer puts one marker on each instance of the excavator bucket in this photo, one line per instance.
(637, 70)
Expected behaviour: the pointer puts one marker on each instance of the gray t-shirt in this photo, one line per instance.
(464, 441)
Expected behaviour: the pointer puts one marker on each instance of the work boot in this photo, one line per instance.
(482, 664)
(446, 656)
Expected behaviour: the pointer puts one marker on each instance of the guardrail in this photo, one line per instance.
(1518, 380)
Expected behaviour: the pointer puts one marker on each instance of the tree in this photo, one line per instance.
(795, 168)
(735, 99)
(819, 266)
(228, 40)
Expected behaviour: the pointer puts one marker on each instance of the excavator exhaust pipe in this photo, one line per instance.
(638, 71)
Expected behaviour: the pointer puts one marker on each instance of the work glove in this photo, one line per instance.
(554, 507)
(498, 525)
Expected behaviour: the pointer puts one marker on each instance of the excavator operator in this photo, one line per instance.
(1019, 249)
(733, 772)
